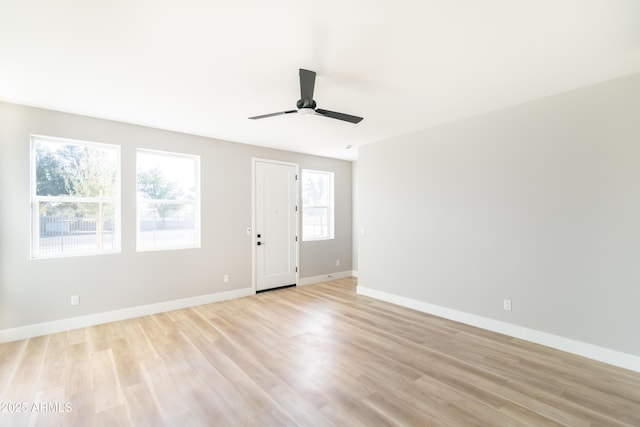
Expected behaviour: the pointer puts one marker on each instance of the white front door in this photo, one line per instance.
(275, 231)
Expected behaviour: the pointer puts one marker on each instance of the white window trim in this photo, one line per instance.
(195, 203)
(35, 253)
(330, 207)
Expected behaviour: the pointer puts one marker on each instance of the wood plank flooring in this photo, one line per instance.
(311, 356)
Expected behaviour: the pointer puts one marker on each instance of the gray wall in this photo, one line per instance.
(355, 217)
(38, 291)
(539, 203)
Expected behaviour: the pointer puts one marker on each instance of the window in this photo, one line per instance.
(317, 205)
(168, 188)
(75, 197)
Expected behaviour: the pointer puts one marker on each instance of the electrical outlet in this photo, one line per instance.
(507, 304)
(226, 278)
(337, 263)
(75, 299)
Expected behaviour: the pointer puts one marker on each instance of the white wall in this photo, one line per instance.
(539, 203)
(37, 291)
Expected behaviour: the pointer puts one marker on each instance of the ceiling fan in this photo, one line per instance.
(306, 104)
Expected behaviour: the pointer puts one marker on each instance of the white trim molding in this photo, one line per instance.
(591, 351)
(62, 325)
(324, 278)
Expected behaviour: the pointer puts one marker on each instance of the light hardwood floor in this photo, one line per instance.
(315, 355)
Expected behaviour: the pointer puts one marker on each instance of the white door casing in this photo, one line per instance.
(275, 246)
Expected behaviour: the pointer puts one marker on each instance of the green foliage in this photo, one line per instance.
(75, 170)
(50, 173)
(153, 184)
(89, 172)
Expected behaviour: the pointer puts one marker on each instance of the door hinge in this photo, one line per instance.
(296, 177)
(296, 269)
(296, 238)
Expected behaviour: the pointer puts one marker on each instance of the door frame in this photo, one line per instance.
(254, 260)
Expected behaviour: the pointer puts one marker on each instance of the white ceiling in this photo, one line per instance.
(204, 66)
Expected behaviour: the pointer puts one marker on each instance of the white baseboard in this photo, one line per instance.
(46, 328)
(354, 273)
(324, 278)
(601, 354)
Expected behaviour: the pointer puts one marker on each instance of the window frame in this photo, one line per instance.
(196, 203)
(35, 200)
(330, 235)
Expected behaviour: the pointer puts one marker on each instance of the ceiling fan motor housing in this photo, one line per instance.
(306, 103)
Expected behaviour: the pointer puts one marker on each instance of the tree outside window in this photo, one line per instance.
(75, 197)
(168, 200)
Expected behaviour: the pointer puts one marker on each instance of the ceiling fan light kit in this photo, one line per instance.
(307, 106)
(306, 111)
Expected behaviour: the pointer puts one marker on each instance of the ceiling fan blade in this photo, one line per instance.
(273, 114)
(340, 116)
(307, 83)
